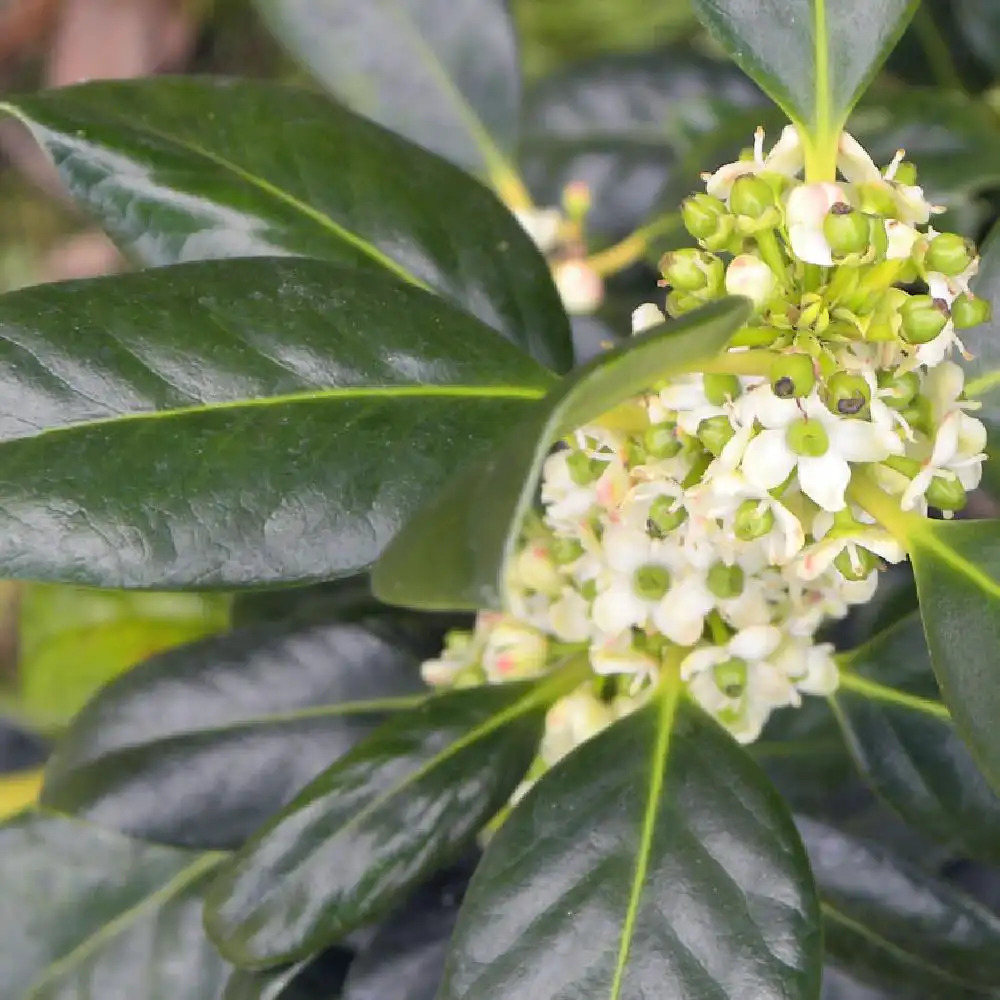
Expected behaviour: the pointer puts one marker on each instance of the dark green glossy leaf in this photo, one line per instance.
(979, 22)
(319, 978)
(906, 744)
(655, 860)
(891, 924)
(620, 124)
(405, 959)
(445, 75)
(957, 565)
(239, 422)
(186, 169)
(468, 530)
(85, 912)
(392, 810)
(200, 745)
(814, 57)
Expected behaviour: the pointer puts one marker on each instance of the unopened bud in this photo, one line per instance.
(576, 200)
(949, 254)
(704, 216)
(725, 582)
(855, 563)
(535, 569)
(692, 271)
(753, 519)
(660, 441)
(750, 196)
(846, 230)
(967, 311)
(923, 318)
(792, 375)
(901, 389)
(750, 276)
(646, 316)
(665, 514)
(678, 303)
(715, 433)
(721, 388)
(848, 395)
(580, 287)
(946, 493)
(876, 199)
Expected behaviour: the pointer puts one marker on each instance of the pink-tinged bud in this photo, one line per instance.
(580, 287)
(750, 276)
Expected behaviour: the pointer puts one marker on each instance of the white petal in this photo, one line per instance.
(809, 245)
(700, 660)
(824, 480)
(646, 316)
(916, 489)
(786, 156)
(750, 276)
(771, 410)
(721, 182)
(862, 441)
(854, 162)
(680, 616)
(617, 609)
(626, 549)
(901, 238)
(755, 643)
(768, 461)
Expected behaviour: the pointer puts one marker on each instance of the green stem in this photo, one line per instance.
(884, 507)
(629, 250)
(892, 696)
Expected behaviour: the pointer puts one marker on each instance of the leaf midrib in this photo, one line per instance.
(669, 697)
(313, 396)
(106, 932)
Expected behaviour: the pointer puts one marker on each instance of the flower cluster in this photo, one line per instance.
(713, 524)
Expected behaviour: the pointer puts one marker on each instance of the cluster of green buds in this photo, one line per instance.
(715, 531)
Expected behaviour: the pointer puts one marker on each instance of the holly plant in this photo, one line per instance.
(547, 678)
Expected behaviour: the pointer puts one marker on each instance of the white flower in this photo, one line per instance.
(810, 667)
(832, 540)
(804, 436)
(959, 451)
(619, 657)
(859, 168)
(542, 225)
(807, 207)
(786, 157)
(750, 276)
(646, 316)
(571, 721)
(569, 616)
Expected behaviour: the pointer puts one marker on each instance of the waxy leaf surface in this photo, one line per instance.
(390, 812)
(231, 423)
(180, 169)
(655, 860)
(907, 747)
(199, 746)
(813, 57)
(468, 531)
(445, 75)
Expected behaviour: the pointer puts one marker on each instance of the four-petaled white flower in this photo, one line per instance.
(807, 207)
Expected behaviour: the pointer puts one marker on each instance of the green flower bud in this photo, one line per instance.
(908, 467)
(968, 311)
(665, 514)
(856, 565)
(678, 303)
(792, 375)
(848, 395)
(946, 493)
(566, 550)
(715, 434)
(720, 388)
(875, 199)
(807, 438)
(704, 216)
(687, 270)
(902, 388)
(651, 581)
(725, 581)
(660, 441)
(750, 196)
(949, 254)
(583, 469)
(753, 519)
(730, 677)
(846, 230)
(923, 318)
(906, 173)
